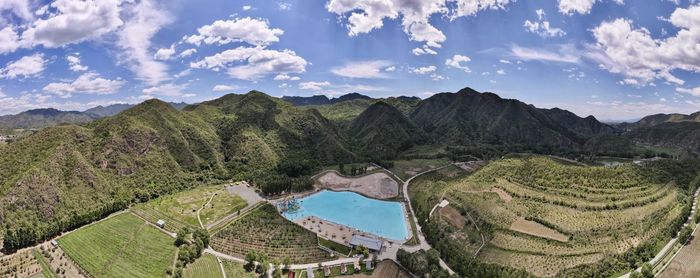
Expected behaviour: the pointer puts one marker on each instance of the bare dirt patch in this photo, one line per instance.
(377, 185)
(389, 269)
(537, 229)
(453, 216)
(686, 263)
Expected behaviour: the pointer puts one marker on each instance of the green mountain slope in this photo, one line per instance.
(469, 117)
(382, 131)
(684, 135)
(39, 118)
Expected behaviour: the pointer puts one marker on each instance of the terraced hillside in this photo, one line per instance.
(267, 232)
(550, 219)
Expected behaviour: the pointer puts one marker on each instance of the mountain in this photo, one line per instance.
(657, 119)
(65, 176)
(106, 111)
(343, 112)
(322, 100)
(469, 117)
(587, 127)
(39, 118)
(382, 131)
(684, 135)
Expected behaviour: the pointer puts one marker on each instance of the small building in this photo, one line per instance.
(371, 243)
(309, 272)
(160, 223)
(326, 271)
(343, 268)
(54, 243)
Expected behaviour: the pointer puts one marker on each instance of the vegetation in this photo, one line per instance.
(614, 218)
(120, 246)
(332, 245)
(205, 266)
(269, 234)
(190, 245)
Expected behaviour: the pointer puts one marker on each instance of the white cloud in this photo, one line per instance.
(390, 69)
(423, 51)
(424, 70)
(249, 30)
(501, 72)
(363, 16)
(145, 20)
(87, 83)
(284, 6)
(564, 54)
(363, 69)
(9, 40)
(187, 53)
(313, 85)
(541, 27)
(74, 21)
(694, 91)
(74, 63)
(622, 49)
(164, 54)
(568, 7)
(27, 66)
(502, 61)
(168, 90)
(253, 62)
(183, 73)
(21, 8)
(286, 77)
(247, 8)
(456, 62)
(225, 88)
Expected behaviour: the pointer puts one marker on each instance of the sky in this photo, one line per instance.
(614, 59)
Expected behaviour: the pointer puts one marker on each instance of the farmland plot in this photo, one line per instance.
(121, 246)
(546, 217)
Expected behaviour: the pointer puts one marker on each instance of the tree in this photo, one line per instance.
(647, 271)
(180, 238)
(685, 234)
(341, 168)
(250, 260)
(287, 263)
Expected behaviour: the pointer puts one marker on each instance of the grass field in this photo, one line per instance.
(121, 246)
(205, 266)
(408, 168)
(181, 208)
(337, 247)
(547, 216)
(264, 230)
(234, 269)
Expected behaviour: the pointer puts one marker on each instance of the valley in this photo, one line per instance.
(205, 191)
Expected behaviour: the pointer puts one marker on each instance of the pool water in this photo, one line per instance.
(383, 218)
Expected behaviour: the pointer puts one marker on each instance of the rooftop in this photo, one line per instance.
(371, 243)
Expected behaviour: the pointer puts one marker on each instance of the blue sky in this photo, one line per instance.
(613, 59)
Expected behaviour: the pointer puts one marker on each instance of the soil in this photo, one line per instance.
(537, 229)
(377, 185)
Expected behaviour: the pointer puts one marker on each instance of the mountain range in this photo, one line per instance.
(39, 118)
(65, 176)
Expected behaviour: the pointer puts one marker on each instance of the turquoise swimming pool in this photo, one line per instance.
(382, 218)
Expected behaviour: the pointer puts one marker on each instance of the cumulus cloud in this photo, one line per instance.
(87, 83)
(372, 69)
(632, 52)
(363, 16)
(286, 77)
(456, 62)
(20, 8)
(541, 27)
(74, 63)
(251, 63)
(250, 30)
(568, 7)
(27, 66)
(9, 40)
(424, 70)
(73, 21)
(145, 19)
(187, 53)
(165, 53)
(225, 88)
(694, 91)
(314, 85)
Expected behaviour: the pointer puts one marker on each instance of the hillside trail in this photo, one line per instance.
(204, 206)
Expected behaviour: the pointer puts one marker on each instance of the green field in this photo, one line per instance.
(180, 209)
(548, 217)
(265, 231)
(408, 168)
(234, 269)
(205, 266)
(121, 246)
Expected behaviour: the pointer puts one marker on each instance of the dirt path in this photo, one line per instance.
(221, 266)
(204, 206)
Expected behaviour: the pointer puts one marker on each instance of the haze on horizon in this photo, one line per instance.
(613, 59)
